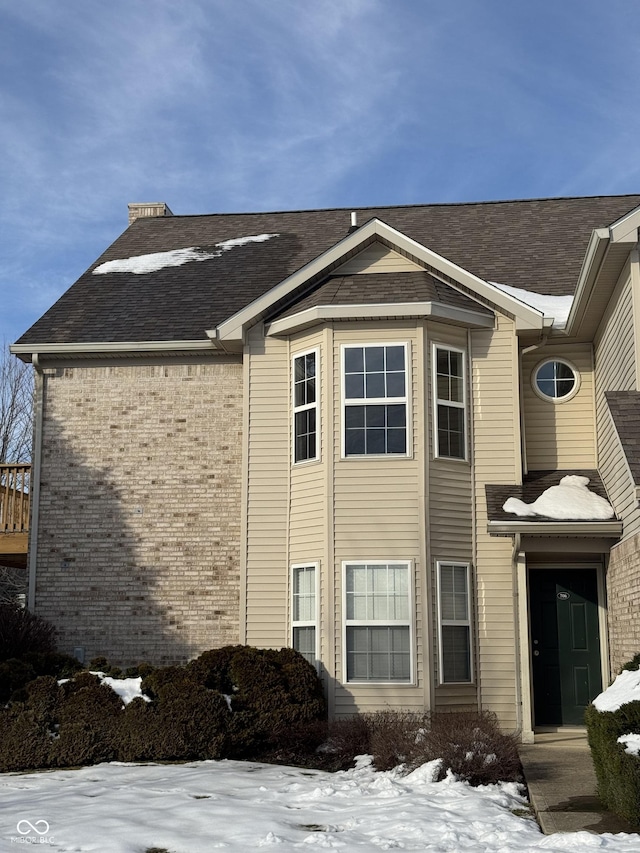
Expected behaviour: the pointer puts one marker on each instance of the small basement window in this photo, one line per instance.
(555, 379)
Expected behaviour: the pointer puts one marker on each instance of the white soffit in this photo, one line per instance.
(233, 328)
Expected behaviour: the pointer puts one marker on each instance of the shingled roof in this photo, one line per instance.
(536, 245)
(625, 411)
(534, 484)
(383, 288)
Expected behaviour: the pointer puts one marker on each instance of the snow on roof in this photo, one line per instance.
(557, 307)
(625, 689)
(141, 264)
(571, 499)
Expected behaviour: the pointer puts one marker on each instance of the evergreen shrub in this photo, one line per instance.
(617, 772)
(88, 717)
(22, 631)
(15, 673)
(229, 703)
(275, 696)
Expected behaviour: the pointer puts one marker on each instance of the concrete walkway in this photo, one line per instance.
(562, 785)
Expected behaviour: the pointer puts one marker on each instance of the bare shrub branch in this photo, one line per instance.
(16, 408)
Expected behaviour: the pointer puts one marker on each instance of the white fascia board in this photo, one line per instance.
(625, 230)
(596, 250)
(233, 328)
(559, 528)
(136, 347)
(322, 313)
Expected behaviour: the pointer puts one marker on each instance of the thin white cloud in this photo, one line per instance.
(212, 105)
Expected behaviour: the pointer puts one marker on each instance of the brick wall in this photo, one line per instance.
(139, 534)
(623, 592)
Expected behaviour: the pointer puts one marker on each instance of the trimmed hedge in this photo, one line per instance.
(617, 772)
(234, 702)
(15, 673)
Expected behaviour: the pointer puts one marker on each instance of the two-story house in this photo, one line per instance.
(302, 428)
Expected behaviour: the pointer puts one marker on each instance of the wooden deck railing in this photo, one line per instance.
(14, 498)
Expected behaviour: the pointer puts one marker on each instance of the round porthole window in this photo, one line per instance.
(556, 380)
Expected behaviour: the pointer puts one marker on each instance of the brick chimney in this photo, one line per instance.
(150, 208)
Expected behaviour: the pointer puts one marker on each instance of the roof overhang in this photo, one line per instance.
(234, 329)
(104, 349)
(323, 313)
(611, 529)
(606, 255)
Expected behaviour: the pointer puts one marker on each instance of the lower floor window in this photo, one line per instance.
(303, 611)
(454, 623)
(378, 622)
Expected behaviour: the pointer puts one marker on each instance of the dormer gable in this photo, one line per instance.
(373, 233)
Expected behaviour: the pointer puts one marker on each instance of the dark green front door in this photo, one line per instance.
(565, 644)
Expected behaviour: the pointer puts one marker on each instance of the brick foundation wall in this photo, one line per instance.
(623, 594)
(139, 533)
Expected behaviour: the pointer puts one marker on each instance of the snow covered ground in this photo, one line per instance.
(236, 807)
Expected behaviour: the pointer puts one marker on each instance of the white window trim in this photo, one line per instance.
(366, 623)
(437, 402)
(466, 623)
(308, 406)
(301, 623)
(379, 401)
(557, 401)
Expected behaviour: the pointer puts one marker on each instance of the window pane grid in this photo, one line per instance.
(450, 402)
(303, 611)
(555, 379)
(455, 623)
(378, 593)
(377, 375)
(305, 402)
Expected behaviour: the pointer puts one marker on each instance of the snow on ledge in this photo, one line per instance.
(141, 264)
(557, 307)
(570, 500)
(625, 689)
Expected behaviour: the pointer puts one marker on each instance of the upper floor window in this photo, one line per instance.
(449, 389)
(555, 379)
(375, 399)
(305, 407)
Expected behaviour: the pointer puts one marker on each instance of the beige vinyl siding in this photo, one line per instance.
(268, 482)
(615, 370)
(450, 516)
(450, 489)
(377, 258)
(307, 523)
(377, 517)
(496, 441)
(559, 435)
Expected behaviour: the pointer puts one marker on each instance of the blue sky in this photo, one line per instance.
(235, 105)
